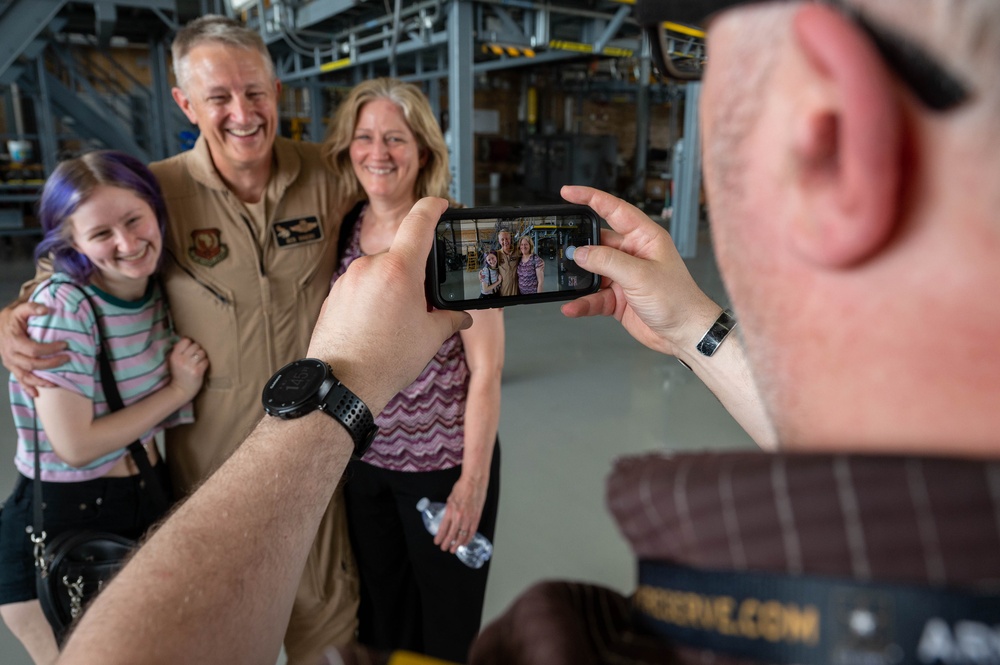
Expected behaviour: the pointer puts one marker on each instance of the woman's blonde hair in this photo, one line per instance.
(531, 243)
(435, 175)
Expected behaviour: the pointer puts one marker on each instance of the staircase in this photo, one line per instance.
(69, 95)
(21, 22)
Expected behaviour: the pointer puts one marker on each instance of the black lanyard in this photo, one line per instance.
(776, 618)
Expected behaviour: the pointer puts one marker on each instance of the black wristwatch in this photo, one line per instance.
(308, 384)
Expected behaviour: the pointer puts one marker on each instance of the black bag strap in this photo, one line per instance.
(115, 403)
(37, 533)
(136, 449)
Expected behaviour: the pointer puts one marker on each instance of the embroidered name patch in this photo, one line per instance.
(297, 231)
(207, 247)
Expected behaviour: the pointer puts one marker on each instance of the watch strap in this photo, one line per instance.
(723, 325)
(351, 412)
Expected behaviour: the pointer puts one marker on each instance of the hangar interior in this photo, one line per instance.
(531, 95)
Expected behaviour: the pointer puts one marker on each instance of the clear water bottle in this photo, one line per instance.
(475, 554)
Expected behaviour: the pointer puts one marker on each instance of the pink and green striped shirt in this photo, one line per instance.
(138, 338)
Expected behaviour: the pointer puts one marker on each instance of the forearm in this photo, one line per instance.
(264, 505)
(727, 374)
(482, 418)
(79, 438)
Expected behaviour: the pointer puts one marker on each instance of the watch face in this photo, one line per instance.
(295, 385)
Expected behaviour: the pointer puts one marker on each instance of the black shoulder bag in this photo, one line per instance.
(76, 564)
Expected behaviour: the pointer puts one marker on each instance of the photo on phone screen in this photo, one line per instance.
(499, 256)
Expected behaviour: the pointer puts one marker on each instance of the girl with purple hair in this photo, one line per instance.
(103, 217)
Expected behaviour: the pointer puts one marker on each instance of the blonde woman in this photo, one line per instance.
(438, 437)
(530, 269)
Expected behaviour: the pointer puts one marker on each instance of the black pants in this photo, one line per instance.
(413, 595)
(117, 504)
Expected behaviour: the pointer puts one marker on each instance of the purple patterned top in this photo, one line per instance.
(527, 279)
(422, 428)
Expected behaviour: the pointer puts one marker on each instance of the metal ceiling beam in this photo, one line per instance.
(318, 11)
(368, 43)
(291, 68)
(21, 23)
(544, 58)
(612, 29)
(512, 29)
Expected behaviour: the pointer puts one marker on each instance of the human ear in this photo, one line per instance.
(185, 104)
(847, 143)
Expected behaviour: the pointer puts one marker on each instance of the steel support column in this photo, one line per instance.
(105, 18)
(434, 96)
(46, 125)
(162, 142)
(317, 119)
(642, 123)
(687, 178)
(461, 98)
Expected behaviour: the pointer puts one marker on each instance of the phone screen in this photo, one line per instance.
(495, 257)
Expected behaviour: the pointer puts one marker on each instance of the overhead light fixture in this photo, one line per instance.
(238, 6)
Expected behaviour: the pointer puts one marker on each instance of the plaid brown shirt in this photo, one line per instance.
(916, 521)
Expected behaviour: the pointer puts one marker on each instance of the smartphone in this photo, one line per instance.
(498, 256)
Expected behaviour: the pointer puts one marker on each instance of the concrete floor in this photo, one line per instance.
(577, 394)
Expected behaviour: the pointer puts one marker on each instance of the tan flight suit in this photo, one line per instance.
(507, 265)
(247, 282)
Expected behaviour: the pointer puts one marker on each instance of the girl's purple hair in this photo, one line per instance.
(70, 185)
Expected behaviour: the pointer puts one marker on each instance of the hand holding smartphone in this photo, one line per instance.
(490, 257)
